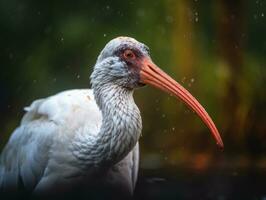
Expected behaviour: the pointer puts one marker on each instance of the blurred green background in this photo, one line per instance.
(216, 49)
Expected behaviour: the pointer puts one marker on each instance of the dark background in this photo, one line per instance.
(216, 49)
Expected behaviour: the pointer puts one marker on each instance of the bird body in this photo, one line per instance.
(40, 153)
(79, 139)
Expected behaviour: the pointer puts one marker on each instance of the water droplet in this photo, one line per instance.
(196, 19)
(187, 111)
(120, 13)
(196, 13)
(192, 80)
(78, 76)
(173, 128)
(140, 13)
(104, 35)
(221, 197)
(11, 56)
(62, 39)
(262, 14)
(169, 19)
(235, 173)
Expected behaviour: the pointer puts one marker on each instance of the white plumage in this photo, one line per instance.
(31, 155)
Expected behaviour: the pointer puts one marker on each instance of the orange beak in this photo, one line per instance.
(153, 75)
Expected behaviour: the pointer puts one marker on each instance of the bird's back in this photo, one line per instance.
(37, 154)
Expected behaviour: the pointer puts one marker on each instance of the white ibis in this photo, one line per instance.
(80, 138)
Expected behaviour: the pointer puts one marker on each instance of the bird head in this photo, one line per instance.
(126, 63)
(119, 63)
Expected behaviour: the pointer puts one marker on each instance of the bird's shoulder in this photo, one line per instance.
(70, 106)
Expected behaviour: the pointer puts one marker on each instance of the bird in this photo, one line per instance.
(80, 138)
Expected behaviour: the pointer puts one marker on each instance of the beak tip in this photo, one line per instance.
(220, 145)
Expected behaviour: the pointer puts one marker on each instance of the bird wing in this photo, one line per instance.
(26, 156)
(124, 174)
(135, 166)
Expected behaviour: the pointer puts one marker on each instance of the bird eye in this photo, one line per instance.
(128, 54)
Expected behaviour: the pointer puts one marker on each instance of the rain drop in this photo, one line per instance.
(11, 56)
(140, 13)
(262, 14)
(169, 19)
(196, 19)
(221, 197)
(78, 76)
(104, 35)
(235, 173)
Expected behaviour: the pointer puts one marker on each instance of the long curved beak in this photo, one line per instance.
(153, 75)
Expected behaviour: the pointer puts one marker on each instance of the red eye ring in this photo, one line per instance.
(128, 54)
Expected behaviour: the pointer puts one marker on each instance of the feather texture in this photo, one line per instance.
(38, 152)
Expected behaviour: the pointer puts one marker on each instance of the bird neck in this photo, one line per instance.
(121, 123)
